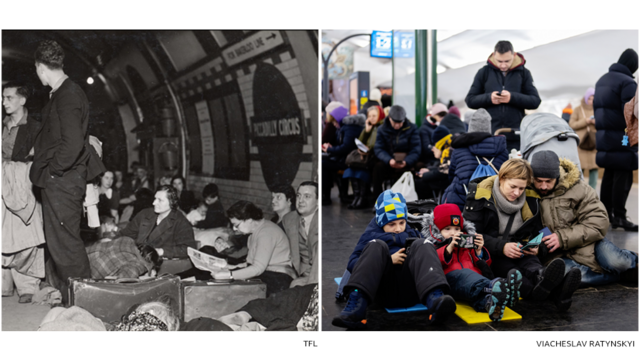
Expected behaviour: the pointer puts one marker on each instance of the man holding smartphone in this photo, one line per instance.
(504, 87)
(578, 222)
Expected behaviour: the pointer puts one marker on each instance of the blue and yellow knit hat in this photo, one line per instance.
(390, 206)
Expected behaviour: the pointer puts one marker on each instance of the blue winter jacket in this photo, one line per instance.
(613, 91)
(375, 232)
(351, 128)
(390, 140)
(464, 163)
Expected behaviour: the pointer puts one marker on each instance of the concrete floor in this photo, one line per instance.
(613, 307)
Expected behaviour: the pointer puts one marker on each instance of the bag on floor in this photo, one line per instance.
(406, 186)
(108, 300)
(213, 300)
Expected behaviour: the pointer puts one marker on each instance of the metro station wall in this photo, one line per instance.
(193, 87)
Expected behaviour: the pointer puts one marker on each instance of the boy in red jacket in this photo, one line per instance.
(459, 258)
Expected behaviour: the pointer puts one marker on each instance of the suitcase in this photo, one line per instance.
(108, 300)
(213, 300)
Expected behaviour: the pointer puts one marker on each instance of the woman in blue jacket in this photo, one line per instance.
(468, 152)
(334, 160)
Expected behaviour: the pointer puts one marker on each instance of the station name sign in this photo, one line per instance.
(255, 44)
(288, 129)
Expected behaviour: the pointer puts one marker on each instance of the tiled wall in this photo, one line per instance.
(215, 73)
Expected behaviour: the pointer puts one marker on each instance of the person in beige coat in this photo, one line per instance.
(578, 222)
(583, 122)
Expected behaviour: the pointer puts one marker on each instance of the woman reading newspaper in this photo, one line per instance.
(268, 251)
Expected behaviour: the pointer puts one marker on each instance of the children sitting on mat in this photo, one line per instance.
(459, 255)
(387, 270)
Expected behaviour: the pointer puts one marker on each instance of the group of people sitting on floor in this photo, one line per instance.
(389, 145)
(282, 253)
(395, 265)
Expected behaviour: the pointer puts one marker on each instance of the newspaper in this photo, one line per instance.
(206, 262)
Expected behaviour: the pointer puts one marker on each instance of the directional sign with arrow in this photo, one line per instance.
(255, 44)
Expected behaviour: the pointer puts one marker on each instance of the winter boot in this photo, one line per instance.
(440, 306)
(548, 279)
(514, 279)
(562, 294)
(353, 313)
(357, 200)
(343, 188)
(498, 298)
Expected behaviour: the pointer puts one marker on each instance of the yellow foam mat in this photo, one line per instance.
(470, 316)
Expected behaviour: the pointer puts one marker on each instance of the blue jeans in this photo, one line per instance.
(611, 259)
(468, 285)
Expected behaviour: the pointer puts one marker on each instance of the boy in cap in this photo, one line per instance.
(383, 268)
(461, 263)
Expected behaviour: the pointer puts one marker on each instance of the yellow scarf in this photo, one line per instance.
(444, 145)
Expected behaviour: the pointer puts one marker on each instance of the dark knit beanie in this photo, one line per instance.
(545, 164)
(397, 113)
(439, 133)
(629, 58)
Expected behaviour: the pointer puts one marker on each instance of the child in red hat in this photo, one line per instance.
(460, 257)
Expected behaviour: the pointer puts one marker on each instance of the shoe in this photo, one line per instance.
(355, 184)
(353, 313)
(25, 298)
(570, 283)
(440, 309)
(622, 222)
(498, 299)
(548, 279)
(514, 279)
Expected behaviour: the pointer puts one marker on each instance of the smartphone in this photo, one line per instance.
(500, 93)
(466, 241)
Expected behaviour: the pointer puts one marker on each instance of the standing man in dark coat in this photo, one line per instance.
(613, 91)
(505, 89)
(396, 135)
(63, 161)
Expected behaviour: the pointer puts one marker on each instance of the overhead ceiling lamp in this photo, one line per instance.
(90, 80)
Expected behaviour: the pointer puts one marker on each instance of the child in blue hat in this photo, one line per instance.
(384, 270)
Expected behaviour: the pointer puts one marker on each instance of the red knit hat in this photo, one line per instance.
(447, 215)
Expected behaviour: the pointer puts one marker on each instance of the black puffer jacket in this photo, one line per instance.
(613, 91)
(518, 82)
(481, 210)
(390, 140)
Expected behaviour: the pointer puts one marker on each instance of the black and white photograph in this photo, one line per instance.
(160, 180)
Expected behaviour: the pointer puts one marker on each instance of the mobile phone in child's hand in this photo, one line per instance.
(466, 241)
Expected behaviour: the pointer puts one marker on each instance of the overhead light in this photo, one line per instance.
(89, 80)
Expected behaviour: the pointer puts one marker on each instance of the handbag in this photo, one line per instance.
(355, 160)
(406, 187)
(588, 141)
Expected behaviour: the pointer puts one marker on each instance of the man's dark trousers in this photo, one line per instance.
(62, 212)
(398, 285)
(614, 191)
